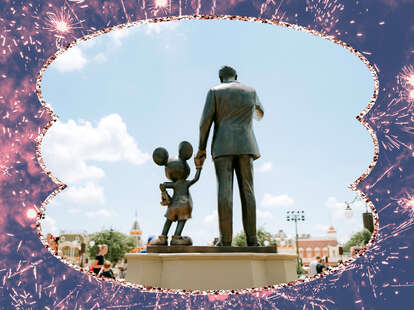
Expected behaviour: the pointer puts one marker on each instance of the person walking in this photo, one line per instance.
(312, 266)
(320, 266)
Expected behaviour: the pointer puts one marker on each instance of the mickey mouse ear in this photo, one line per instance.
(160, 156)
(185, 150)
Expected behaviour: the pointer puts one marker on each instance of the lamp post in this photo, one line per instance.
(348, 211)
(296, 216)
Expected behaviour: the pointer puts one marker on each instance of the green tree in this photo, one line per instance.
(117, 242)
(358, 239)
(299, 269)
(262, 236)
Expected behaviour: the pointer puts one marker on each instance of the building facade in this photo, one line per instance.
(325, 247)
(72, 245)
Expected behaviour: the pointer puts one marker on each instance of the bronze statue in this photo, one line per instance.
(180, 205)
(231, 106)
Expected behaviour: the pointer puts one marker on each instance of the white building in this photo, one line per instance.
(137, 233)
(70, 246)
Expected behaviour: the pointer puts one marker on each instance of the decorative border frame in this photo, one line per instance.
(31, 277)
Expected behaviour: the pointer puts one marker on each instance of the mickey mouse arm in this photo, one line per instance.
(165, 185)
(196, 177)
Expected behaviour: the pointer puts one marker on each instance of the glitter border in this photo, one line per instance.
(352, 186)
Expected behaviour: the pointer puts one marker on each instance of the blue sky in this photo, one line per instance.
(122, 94)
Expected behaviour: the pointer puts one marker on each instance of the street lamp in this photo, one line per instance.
(296, 216)
(348, 211)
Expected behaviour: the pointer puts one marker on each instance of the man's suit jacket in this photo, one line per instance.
(231, 107)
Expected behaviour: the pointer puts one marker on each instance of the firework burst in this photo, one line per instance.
(62, 25)
(407, 204)
(406, 82)
(325, 12)
(160, 7)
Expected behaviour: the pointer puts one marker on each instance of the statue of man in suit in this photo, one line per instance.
(231, 106)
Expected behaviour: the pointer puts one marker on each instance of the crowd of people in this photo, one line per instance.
(316, 266)
(100, 266)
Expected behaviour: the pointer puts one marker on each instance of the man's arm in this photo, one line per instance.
(206, 120)
(205, 125)
(258, 108)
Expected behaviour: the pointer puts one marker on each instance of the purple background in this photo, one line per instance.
(32, 278)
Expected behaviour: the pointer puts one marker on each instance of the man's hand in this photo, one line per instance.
(199, 159)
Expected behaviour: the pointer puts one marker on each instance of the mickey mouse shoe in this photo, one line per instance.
(161, 240)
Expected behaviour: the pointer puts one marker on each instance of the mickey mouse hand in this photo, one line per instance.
(165, 199)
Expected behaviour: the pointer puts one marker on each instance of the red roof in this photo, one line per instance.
(309, 243)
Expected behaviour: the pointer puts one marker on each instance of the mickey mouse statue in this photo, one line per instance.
(180, 204)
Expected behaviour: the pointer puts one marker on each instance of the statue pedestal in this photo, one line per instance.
(210, 271)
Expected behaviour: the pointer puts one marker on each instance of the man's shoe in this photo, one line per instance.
(180, 240)
(223, 243)
(252, 241)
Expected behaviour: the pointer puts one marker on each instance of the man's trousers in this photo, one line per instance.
(225, 167)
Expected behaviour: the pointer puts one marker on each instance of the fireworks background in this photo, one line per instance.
(379, 32)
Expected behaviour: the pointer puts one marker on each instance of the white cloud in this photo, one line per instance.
(89, 193)
(265, 215)
(337, 208)
(265, 167)
(211, 218)
(49, 226)
(100, 58)
(71, 60)
(68, 146)
(101, 212)
(118, 35)
(71, 169)
(270, 200)
(88, 43)
(74, 211)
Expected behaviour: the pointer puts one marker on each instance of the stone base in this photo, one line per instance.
(210, 271)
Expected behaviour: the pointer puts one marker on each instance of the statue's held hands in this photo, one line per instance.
(199, 159)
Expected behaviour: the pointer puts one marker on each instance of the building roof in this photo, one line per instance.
(135, 226)
(315, 243)
(331, 230)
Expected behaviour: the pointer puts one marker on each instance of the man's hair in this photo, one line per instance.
(318, 257)
(227, 72)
